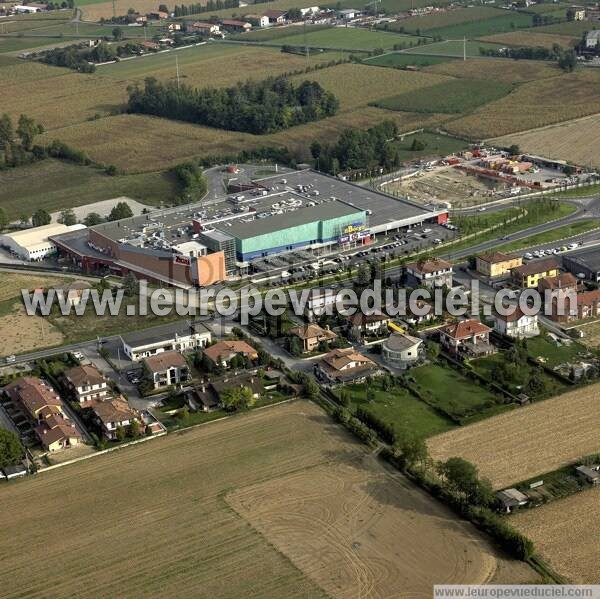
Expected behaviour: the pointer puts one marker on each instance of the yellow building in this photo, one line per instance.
(529, 275)
(496, 264)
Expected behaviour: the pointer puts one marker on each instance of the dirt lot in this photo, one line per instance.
(446, 185)
(12, 284)
(592, 334)
(155, 520)
(522, 443)
(562, 142)
(566, 534)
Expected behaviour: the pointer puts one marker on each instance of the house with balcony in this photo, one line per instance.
(517, 324)
(86, 383)
(529, 275)
(312, 335)
(432, 272)
(167, 368)
(467, 338)
(113, 414)
(344, 366)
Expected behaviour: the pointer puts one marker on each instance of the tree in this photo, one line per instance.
(121, 210)
(67, 217)
(570, 14)
(120, 433)
(295, 346)
(11, 449)
(363, 276)
(3, 219)
(6, 131)
(163, 8)
(344, 397)
(514, 149)
(27, 129)
(135, 429)
(568, 61)
(413, 449)
(294, 14)
(93, 218)
(462, 477)
(130, 284)
(237, 398)
(418, 145)
(117, 34)
(40, 217)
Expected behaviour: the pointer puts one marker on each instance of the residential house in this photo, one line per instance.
(588, 304)
(167, 368)
(561, 282)
(310, 10)
(86, 383)
(578, 13)
(401, 350)
(418, 313)
(45, 410)
(348, 14)
(141, 19)
(584, 265)
(528, 275)
(433, 272)
(592, 39)
(202, 28)
(344, 366)
(469, 337)
(590, 474)
(257, 20)
(496, 264)
(312, 335)
(150, 45)
(222, 352)
(276, 17)
(158, 15)
(208, 395)
(234, 26)
(517, 324)
(321, 300)
(114, 413)
(142, 344)
(174, 27)
(368, 325)
(511, 499)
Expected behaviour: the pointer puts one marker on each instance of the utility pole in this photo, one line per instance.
(114, 9)
(464, 48)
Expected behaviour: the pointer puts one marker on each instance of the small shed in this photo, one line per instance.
(510, 499)
(590, 474)
(16, 471)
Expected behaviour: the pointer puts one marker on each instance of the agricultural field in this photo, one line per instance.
(529, 39)
(435, 21)
(283, 487)
(275, 33)
(94, 11)
(565, 533)
(456, 96)
(591, 333)
(452, 49)
(400, 60)
(66, 185)
(562, 141)
(349, 38)
(508, 71)
(574, 28)
(534, 104)
(435, 145)
(527, 441)
(497, 24)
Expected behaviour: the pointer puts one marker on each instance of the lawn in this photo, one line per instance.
(574, 28)
(454, 394)
(349, 38)
(564, 232)
(527, 38)
(399, 60)
(552, 353)
(456, 96)
(401, 409)
(54, 185)
(435, 145)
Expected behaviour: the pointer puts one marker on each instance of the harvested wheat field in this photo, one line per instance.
(528, 441)
(562, 142)
(566, 533)
(12, 284)
(98, 10)
(534, 104)
(156, 520)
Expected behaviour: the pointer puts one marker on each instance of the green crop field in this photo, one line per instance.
(434, 21)
(349, 38)
(475, 29)
(452, 49)
(275, 33)
(54, 185)
(576, 28)
(435, 145)
(455, 96)
(398, 60)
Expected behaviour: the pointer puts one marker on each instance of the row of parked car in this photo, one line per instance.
(550, 252)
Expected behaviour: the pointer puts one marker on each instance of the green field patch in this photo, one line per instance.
(452, 97)
(275, 33)
(349, 38)
(435, 145)
(576, 28)
(554, 353)
(500, 24)
(453, 49)
(399, 60)
(399, 408)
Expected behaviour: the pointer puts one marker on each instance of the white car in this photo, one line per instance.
(528, 256)
(426, 230)
(572, 246)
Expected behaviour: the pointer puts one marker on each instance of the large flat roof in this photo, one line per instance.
(162, 333)
(261, 226)
(589, 258)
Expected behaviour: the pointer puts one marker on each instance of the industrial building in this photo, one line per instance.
(35, 244)
(199, 245)
(584, 264)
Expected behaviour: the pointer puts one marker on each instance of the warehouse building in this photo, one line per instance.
(585, 264)
(35, 244)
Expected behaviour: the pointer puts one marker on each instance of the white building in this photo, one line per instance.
(86, 383)
(401, 351)
(320, 301)
(592, 39)
(142, 344)
(34, 244)
(517, 324)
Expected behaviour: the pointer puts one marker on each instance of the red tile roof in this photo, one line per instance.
(465, 329)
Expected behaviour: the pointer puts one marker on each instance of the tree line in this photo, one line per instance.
(253, 107)
(566, 59)
(184, 10)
